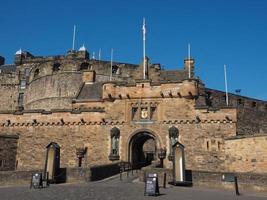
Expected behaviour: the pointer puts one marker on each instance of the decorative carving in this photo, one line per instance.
(144, 113)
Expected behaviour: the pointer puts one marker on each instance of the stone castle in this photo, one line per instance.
(97, 113)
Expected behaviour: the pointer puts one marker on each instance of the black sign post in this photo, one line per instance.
(151, 185)
(231, 177)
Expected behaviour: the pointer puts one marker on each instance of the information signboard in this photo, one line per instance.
(152, 185)
(36, 180)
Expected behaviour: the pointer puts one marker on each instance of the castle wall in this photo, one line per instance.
(9, 91)
(246, 154)
(53, 92)
(8, 152)
(92, 130)
(251, 120)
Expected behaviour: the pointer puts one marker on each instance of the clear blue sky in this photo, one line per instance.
(231, 32)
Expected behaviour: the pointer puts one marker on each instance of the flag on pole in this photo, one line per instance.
(144, 29)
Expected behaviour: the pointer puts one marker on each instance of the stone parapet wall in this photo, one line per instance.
(246, 181)
(246, 154)
(67, 175)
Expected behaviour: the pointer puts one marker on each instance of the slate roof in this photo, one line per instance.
(90, 91)
(7, 69)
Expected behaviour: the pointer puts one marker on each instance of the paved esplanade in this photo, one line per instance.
(115, 189)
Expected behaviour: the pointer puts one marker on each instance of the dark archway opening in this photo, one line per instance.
(142, 150)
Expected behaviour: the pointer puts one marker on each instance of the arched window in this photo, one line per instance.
(36, 73)
(115, 69)
(56, 67)
(115, 137)
(173, 135)
(84, 66)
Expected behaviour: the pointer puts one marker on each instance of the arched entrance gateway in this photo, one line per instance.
(142, 148)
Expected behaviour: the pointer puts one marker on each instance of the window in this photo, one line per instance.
(84, 66)
(36, 73)
(56, 67)
(1, 163)
(20, 100)
(22, 84)
(115, 69)
(254, 104)
(208, 145)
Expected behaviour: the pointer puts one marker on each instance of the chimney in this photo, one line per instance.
(189, 64)
(88, 76)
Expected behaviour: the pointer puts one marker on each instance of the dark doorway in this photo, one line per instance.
(142, 150)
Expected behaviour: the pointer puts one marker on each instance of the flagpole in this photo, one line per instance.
(189, 61)
(226, 89)
(111, 60)
(144, 48)
(73, 38)
(99, 54)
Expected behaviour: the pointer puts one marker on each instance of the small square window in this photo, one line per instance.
(254, 104)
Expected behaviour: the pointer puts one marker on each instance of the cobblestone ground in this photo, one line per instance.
(116, 189)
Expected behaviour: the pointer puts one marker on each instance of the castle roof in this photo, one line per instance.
(7, 69)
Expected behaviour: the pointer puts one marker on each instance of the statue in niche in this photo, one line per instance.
(173, 135)
(115, 145)
(173, 140)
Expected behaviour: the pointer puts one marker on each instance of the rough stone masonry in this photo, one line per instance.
(99, 114)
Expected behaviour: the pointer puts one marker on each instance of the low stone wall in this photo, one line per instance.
(66, 175)
(104, 171)
(246, 181)
(16, 177)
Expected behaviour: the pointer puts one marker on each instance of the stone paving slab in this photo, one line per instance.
(115, 189)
